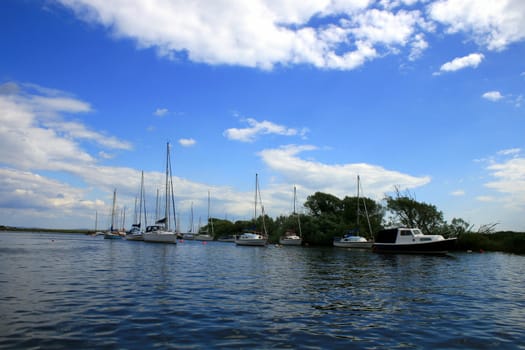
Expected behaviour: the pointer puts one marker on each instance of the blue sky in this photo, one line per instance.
(425, 96)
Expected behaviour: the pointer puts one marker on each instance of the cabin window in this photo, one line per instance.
(406, 233)
(425, 239)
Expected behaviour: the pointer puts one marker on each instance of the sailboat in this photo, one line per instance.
(160, 232)
(135, 233)
(112, 233)
(290, 237)
(97, 232)
(205, 235)
(254, 238)
(189, 235)
(350, 239)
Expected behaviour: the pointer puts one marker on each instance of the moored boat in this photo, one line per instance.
(160, 232)
(206, 235)
(351, 239)
(112, 233)
(254, 238)
(251, 239)
(136, 233)
(290, 237)
(411, 241)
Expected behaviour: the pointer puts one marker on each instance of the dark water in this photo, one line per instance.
(62, 291)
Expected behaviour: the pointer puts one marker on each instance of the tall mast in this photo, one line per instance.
(141, 199)
(256, 185)
(113, 209)
(166, 209)
(358, 211)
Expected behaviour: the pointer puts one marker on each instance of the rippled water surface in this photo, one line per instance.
(66, 291)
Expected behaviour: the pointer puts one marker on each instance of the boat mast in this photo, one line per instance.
(113, 209)
(358, 211)
(298, 217)
(256, 185)
(167, 200)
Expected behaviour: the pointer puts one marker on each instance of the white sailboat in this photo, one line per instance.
(160, 232)
(205, 235)
(290, 237)
(350, 239)
(254, 238)
(136, 233)
(189, 235)
(113, 233)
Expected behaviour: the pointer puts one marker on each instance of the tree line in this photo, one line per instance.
(328, 216)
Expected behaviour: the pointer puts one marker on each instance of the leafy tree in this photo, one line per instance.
(323, 204)
(411, 213)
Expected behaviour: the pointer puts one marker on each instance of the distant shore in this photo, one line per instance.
(49, 230)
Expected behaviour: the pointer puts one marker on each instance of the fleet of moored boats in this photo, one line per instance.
(395, 240)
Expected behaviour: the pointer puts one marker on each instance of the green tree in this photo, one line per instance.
(411, 213)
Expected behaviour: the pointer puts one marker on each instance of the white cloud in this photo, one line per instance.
(458, 193)
(160, 112)
(337, 179)
(187, 142)
(492, 96)
(261, 33)
(494, 24)
(257, 128)
(32, 125)
(510, 151)
(485, 198)
(472, 60)
(507, 170)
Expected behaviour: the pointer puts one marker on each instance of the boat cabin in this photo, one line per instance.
(405, 236)
(153, 228)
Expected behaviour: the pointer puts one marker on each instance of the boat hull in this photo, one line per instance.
(135, 237)
(435, 247)
(355, 245)
(251, 242)
(160, 237)
(293, 242)
(110, 235)
(203, 238)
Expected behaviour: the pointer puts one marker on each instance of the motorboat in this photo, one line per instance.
(411, 241)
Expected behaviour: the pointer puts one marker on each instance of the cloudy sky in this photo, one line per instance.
(426, 96)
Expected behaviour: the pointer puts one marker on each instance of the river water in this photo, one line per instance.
(70, 291)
